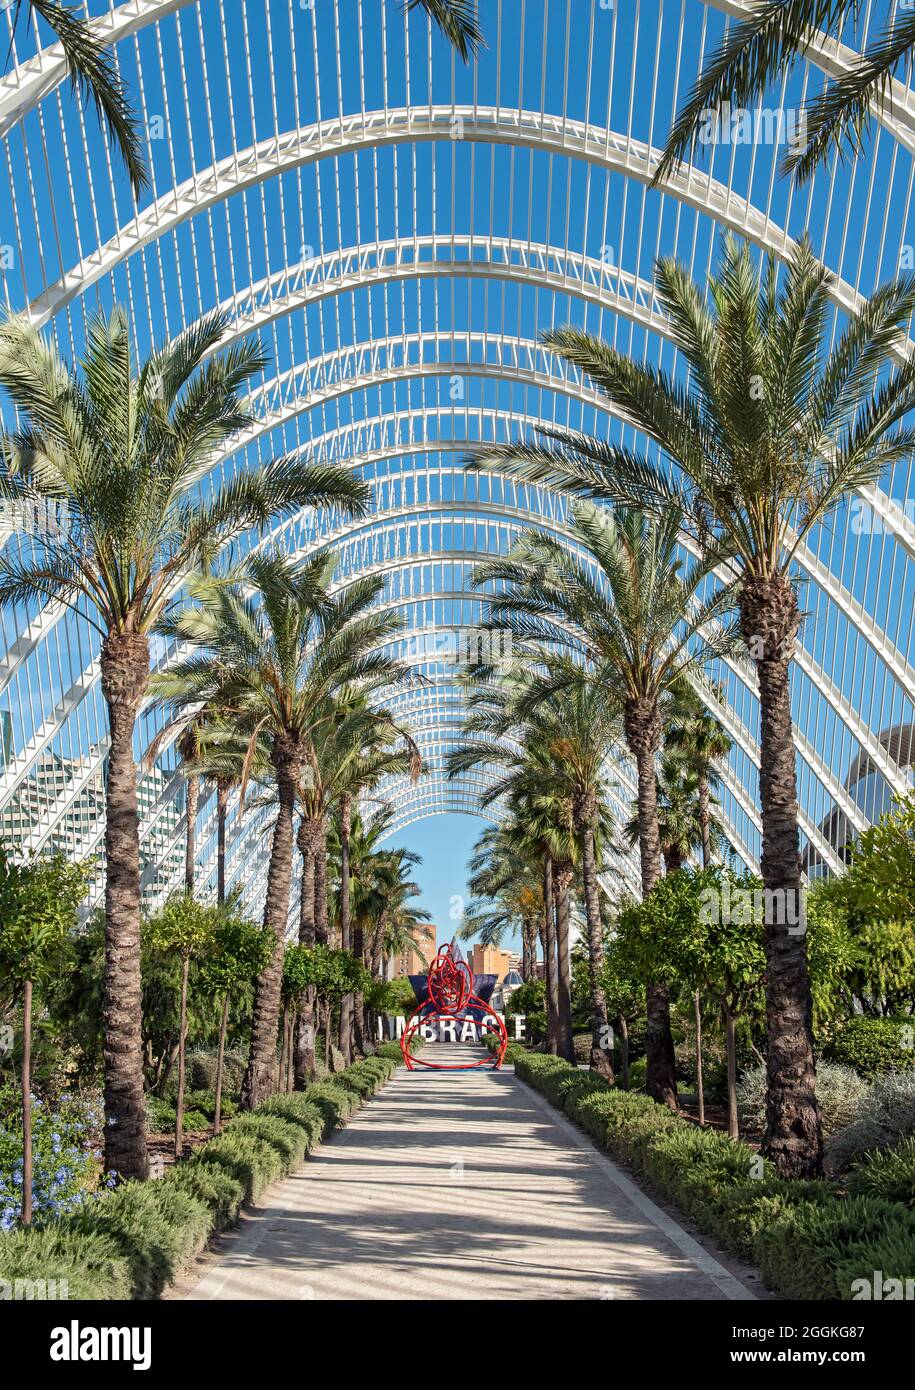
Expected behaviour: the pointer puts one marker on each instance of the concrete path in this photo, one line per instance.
(461, 1185)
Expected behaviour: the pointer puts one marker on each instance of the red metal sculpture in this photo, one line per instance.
(450, 994)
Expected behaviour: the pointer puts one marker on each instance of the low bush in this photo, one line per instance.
(222, 1193)
(157, 1227)
(816, 1250)
(887, 1173)
(288, 1139)
(744, 1210)
(201, 1072)
(58, 1262)
(885, 1117)
(299, 1109)
(872, 1046)
(840, 1094)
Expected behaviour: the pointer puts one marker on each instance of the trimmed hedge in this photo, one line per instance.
(807, 1239)
(132, 1242)
(873, 1045)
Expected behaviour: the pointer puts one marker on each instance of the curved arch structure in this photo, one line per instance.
(398, 230)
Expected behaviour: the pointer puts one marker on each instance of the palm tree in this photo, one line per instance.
(695, 741)
(368, 877)
(272, 650)
(569, 736)
(540, 806)
(123, 452)
(635, 613)
(457, 20)
(507, 893)
(763, 48)
(94, 74)
(774, 431)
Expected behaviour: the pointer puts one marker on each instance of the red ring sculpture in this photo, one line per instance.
(450, 993)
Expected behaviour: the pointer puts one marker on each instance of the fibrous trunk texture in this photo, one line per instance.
(769, 620)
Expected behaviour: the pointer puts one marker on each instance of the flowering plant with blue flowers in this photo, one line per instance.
(67, 1155)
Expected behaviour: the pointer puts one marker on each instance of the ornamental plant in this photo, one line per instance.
(184, 928)
(38, 904)
(238, 952)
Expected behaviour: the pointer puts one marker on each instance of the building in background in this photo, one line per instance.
(489, 960)
(415, 962)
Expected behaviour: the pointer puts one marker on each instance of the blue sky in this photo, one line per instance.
(445, 843)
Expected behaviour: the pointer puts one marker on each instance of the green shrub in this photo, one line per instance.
(743, 1210)
(638, 1074)
(816, 1250)
(885, 1117)
(92, 1266)
(335, 1102)
(222, 1193)
(289, 1140)
(299, 1110)
(158, 1227)
(840, 1094)
(247, 1158)
(872, 1045)
(201, 1071)
(160, 1115)
(887, 1173)
(694, 1167)
(195, 1121)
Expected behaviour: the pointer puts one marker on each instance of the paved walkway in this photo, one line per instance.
(461, 1185)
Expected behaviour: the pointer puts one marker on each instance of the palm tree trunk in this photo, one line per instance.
(600, 1027)
(182, 1030)
(346, 1003)
(193, 802)
(260, 1077)
(321, 932)
(125, 674)
(304, 1050)
(700, 1090)
(284, 1051)
(222, 806)
(561, 882)
(551, 984)
(358, 998)
(730, 1034)
(643, 736)
(705, 821)
(220, 1064)
(26, 1205)
(624, 1050)
(769, 619)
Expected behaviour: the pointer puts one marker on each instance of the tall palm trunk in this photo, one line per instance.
(705, 828)
(220, 1064)
(643, 737)
(705, 820)
(562, 879)
(260, 1077)
(304, 1060)
(358, 998)
(222, 808)
(346, 1003)
(585, 811)
(322, 934)
(27, 1161)
(190, 849)
(182, 1036)
(124, 674)
(769, 619)
(551, 984)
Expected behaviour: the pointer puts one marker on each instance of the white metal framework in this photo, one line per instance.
(399, 229)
